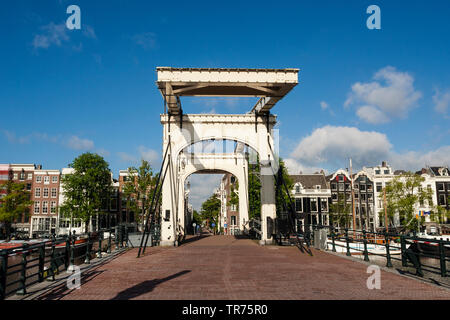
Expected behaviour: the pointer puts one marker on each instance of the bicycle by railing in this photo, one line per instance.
(411, 248)
(43, 260)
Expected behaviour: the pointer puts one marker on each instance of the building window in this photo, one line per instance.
(298, 205)
(333, 186)
(334, 196)
(362, 188)
(30, 176)
(441, 200)
(37, 207)
(370, 197)
(38, 179)
(313, 204)
(324, 205)
(46, 179)
(45, 195)
(341, 178)
(54, 179)
(35, 224)
(28, 186)
(347, 187)
(356, 196)
(53, 192)
(369, 188)
(37, 192)
(379, 187)
(22, 176)
(44, 207)
(16, 176)
(377, 171)
(440, 186)
(386, 171)
(53, 207)
(297, 189)
(356, 186)
(341, 187)
(363, 197)
(233, 220)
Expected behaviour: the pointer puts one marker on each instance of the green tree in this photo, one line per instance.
(254, 191)
(86, 188)
(341, 212)
(139, 188)
(197, 218)
(234, 197)
(283, 198)
(402, 194)
(211, 210)
(15, 204)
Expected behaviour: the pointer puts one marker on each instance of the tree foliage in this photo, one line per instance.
(254, 191)
(283, 198)
(341, 212)
(211, 209)
(86, 188)
(402, 194)
(14, 204)
(139, 189)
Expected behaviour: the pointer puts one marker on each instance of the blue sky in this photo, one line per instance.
(367, 94)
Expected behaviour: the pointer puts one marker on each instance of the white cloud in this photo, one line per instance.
(414, 160)
(150, 155)
(57, 34)
(372, 115)
(391, 95)
(77, 143)
(125, 157)
(332, 144)
(442, 102)
(331, 147)
(145, 40)
(53, 34)
(323, 105)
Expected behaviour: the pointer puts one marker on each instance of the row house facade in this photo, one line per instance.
(45, 196)
(229, 219)
(312, 195)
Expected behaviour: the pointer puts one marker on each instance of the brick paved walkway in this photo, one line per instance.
(223, 267)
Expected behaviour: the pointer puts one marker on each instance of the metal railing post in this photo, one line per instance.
(53, 266)
(87, 259)
(403, 249)
(333, 239)
(366, 253)
(41, 262)
(67, 253)
(99, 252)
(126, 237)
(72, 248)
(347, 241)
(442, 258)
(109, 243)
(3, 272)
(388, 253)
(23, 273)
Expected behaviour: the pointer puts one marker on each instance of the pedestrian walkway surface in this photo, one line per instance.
(225, 267)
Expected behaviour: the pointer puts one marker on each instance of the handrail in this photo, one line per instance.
(62, 251)
(410, 256)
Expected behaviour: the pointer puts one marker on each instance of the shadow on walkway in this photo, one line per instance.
(61, 290)
(145, 287)
(195, 238)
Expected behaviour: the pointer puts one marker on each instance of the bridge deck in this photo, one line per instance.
(223, 267)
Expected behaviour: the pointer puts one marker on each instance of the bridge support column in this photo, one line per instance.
(268, 207)
(168, 205)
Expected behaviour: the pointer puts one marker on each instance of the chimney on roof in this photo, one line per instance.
(39, 167)
(383, 163)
